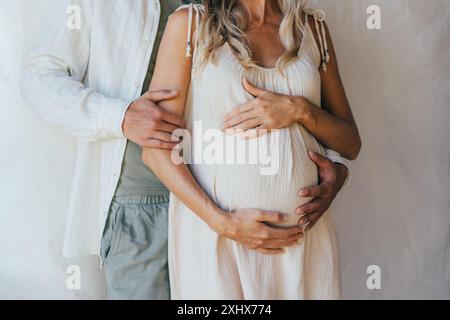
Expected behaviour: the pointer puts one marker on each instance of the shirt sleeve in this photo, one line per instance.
(337, 158)
(52, 76)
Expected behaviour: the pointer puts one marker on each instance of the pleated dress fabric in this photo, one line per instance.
(204, 265)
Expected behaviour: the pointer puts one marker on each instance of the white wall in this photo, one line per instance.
(395, 213)
(36, 164)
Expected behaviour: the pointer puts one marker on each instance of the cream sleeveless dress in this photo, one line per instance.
(204, 265)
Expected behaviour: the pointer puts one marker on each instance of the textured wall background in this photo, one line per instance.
(395, 214)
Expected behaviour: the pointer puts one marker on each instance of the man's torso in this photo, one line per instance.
(136, 179)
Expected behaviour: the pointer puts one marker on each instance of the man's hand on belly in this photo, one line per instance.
(332, 179)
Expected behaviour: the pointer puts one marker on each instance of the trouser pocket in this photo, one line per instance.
(112, 231)
(135, 251)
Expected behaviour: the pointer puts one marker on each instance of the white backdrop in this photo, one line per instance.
(395, 214)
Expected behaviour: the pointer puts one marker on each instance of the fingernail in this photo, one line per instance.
(303, 221)
(303, 193)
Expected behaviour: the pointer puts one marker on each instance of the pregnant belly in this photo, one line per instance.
(272, 183)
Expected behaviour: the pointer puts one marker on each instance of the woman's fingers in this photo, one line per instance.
(273, 246)
(271, 252)
(253, 133)
(238, 120)
(277, 247)
(271, 234)
(248, 125)
(286, 243)
(252, 89)
(237, 111)
(254, 232)
(268, 216)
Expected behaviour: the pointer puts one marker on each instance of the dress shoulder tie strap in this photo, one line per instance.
(319, 19)
(199, 9)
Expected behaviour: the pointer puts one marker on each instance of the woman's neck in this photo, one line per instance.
(261, 10)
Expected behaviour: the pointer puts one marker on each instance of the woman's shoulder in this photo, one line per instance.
(315, 13)
(186, 17)
(316, 21)
(315, 16)
(184, 22)
(187, 11)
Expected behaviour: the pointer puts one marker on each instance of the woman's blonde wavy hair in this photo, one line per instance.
(226, 21)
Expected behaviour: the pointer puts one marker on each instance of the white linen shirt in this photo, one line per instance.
(84, 80)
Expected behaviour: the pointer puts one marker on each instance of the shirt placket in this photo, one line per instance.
(147, 47)
(144, 55)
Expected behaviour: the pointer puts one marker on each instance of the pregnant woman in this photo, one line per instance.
(235, 48)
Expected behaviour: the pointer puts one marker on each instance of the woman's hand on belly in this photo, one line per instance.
(249, 228)
(268, 111)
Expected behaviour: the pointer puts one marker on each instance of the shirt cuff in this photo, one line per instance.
(337, 158)
(113, 116)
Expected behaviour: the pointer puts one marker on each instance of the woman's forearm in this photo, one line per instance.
(334, 133)
(179, 180)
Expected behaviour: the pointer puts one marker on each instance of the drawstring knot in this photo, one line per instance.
(319, 19)
(198, 9)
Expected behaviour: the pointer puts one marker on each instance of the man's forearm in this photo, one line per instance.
(52, 78)
(59, 99)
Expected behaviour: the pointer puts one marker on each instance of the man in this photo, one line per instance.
(92, 80)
